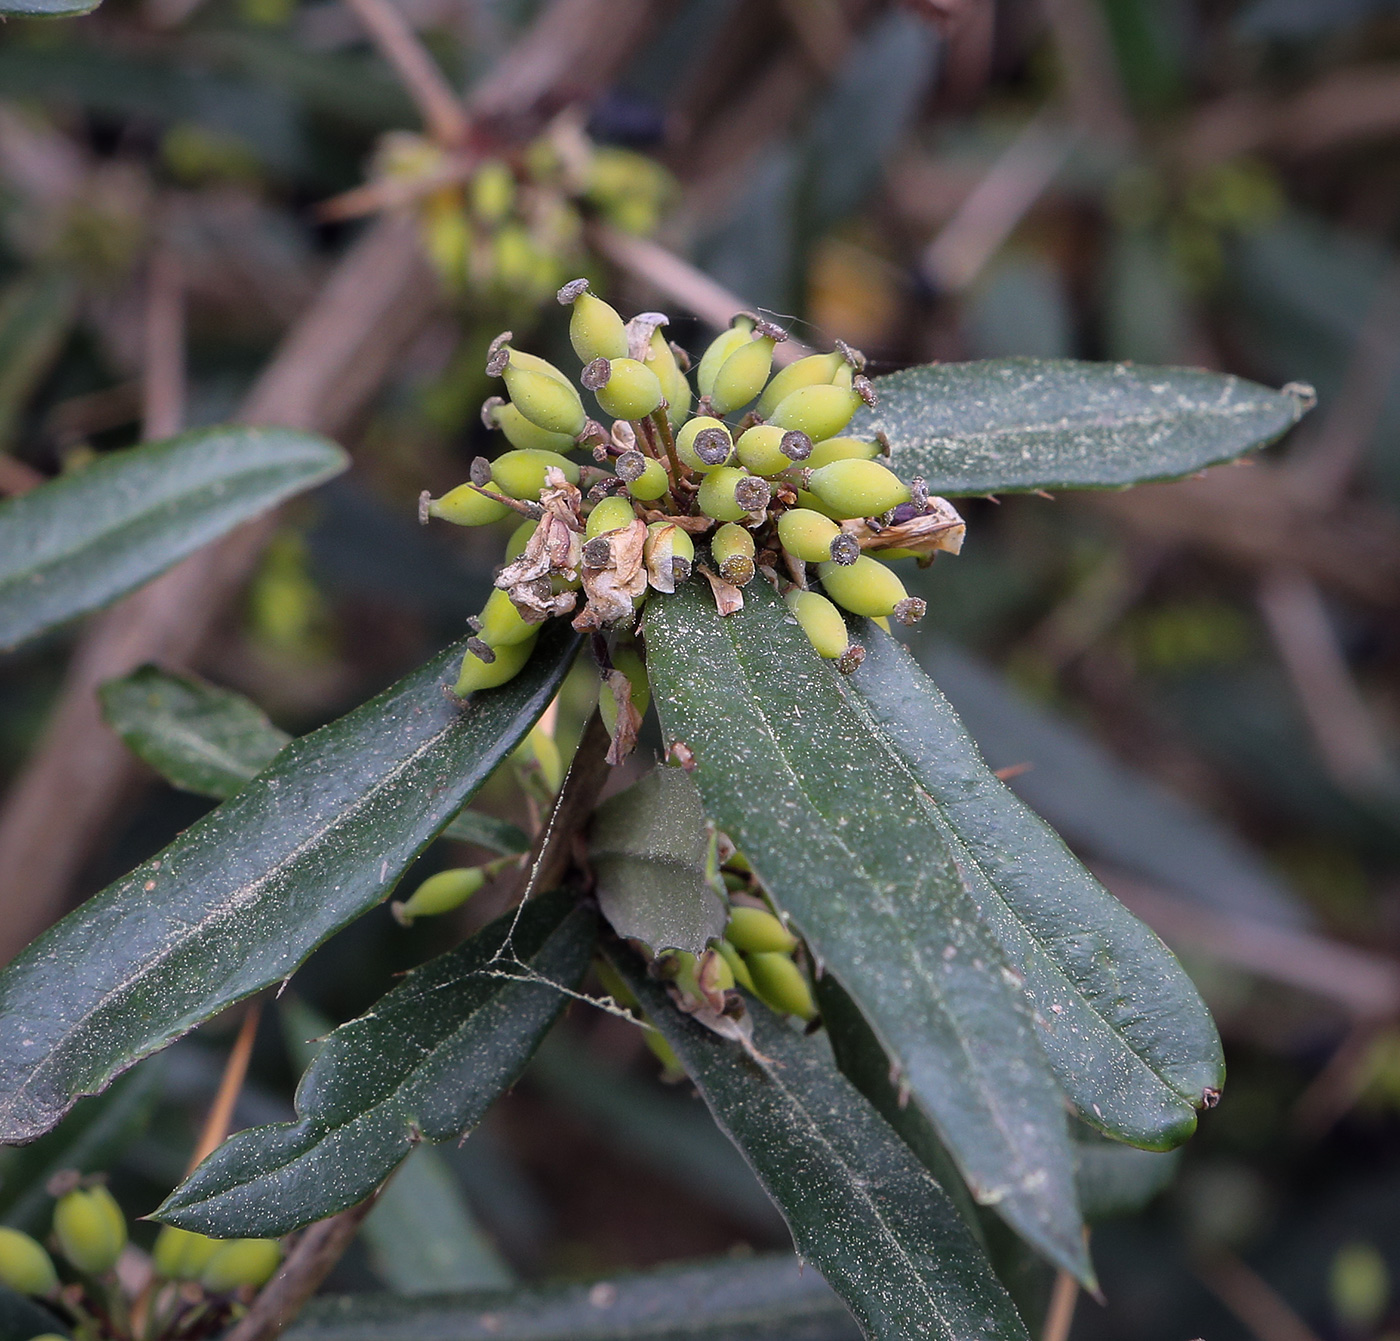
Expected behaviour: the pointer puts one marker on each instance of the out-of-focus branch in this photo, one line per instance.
(1060, 1315)
(1092, 85)
(1263, 1311)
(163, 376)
(216, 1124)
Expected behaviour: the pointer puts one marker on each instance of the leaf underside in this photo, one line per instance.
(1019, 424)
(423, 1065)
(47, 9)
(860, 1206)
(241, 898)
(792, 771)
(78, 542)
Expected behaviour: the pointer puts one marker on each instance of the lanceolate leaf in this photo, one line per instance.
(755, 1299)
(793, 772)
(647, 850)
(210, 741)
(48, 9)
(860, 1206)
(243, 896)
(82, 540)
(1019, 424)
(1130, 1040)
(424, 1064)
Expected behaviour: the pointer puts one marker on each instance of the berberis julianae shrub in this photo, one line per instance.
(913, 1011)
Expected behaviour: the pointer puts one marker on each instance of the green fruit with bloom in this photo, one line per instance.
(754, 929)
(842, 449)
(729, 494)
(181, 1254)
(24, 1265)
(631, 391)
(501, 623)
(441, 893)
(865, 587)
(520, 432)
(732, 549)
(595, 328)
(651, 483)
(767, 449)
(520, 473)
(718, 351)
(609, 514)
(737, 967)
(478, 674)
(781, 985)
(661, 359)
(241, 1263)
(810, 536)
(90, 1229)
(546, 399)
(708, 452)
(742, 375)
(855, 488)
(821, 622)
(466, 505)
(814, 370)
(819, 411)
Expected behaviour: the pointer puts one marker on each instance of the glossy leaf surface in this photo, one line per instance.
(80, 541)
(860, 1206)
(423, 1065)
(241, 898)
(790, 768)
(647, 850)
(759, 1299)
(1018, 424)
(1128, 1036)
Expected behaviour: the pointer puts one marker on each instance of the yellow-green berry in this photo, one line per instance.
(519, 431)
(595, 328)
(719, 350)
(781, 985)
(90, 1229)
(814, 370)
(609, 514)
(855, 488)
(704, 444)
(465, 505)
(492, 191)
(867, 587)
(500, 624)
(241, 1263)
(767, 449)
(669, 555)
(732, 548)
(24, 1265)
(752, 929)
(623, 388)
(505, 664)
(737, 967)
(819, 411)
(441, 893)
(644, 476)
(661, 359)
(542, 750)
(546, 399)
(741, 376)
(520, 473)
(814, 538)
(181, 1254)
(842, 449)
(729, 494)
(821, 622)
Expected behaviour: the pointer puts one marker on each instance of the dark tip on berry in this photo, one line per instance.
(489, 408)
(712, 446)
(680, 570)
(911, 610)
(738, 570)
(845, 549)
(480, 472)
(795, 445)
(768, 328)
(865, 389)
(481, 651)
(597, 553)
(682, 356)
(423, 500)
(850, 659)
(597, 374)
(752, 493)
(571, 290)
(918, 486)
(631, 466)
(498, 362)
(852, 355)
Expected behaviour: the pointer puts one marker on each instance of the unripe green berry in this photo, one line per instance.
(626, 658)
(819, 411)
(865, 587)
(239, 1263)
(662, 361)
(737, 967)
(729, 494)
(519, 538)
(742, 375)
(810, 536)
(767, 449)
(595, 329)
(630, 389)
(752, 929)
(492, 191)
(501, 624)
(669, 554)
(90, 1229)
(781, 985)
(548, 402)
(180, 1254)
(719, 350)
(707, 453)
(856, 488)
(478, 674)
(518, 358)
(519, 431)
(814, 370)
(465, 505)
(842, 449)
(651, 483)
(821, 622)
(542, 750)
(441, 893)
(24, 1265)
(732, 548)
(609, 514)
(520, 473)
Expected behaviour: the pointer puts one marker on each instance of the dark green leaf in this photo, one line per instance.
(648, 849)
(199, 737)
(789, 767)
(21, 1318)
(860, 1206)
(758, 1299)
(424, 1064)
(241, 898)
(1116, 1180)
(47, 9)
(84, 539)
(36, 311)
(1129, 1039)
(210, 741)
(1015, 425)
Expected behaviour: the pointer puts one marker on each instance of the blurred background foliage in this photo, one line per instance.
(1197, 683)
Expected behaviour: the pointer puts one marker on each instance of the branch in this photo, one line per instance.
(163, 374)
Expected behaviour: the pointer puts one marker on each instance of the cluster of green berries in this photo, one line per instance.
(758, 468)
(196, 1280)
(512, 226)
(756, 953)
